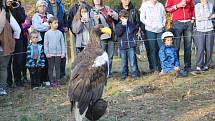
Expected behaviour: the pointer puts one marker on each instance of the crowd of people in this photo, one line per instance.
(43, 50)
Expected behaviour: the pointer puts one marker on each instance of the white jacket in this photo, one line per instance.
(153, 16)
(202, 14)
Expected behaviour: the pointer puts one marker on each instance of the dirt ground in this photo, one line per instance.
(149, 98)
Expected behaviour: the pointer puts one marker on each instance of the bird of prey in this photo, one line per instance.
(89, 74)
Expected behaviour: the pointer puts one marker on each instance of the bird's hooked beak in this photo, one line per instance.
(106, 30)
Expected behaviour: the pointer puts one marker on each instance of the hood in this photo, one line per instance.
(2, 20)
(130, 6)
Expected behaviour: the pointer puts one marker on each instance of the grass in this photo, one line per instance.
(149, 98)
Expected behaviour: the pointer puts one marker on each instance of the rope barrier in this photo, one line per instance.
(114, 42)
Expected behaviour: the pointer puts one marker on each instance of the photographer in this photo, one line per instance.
(18, 12)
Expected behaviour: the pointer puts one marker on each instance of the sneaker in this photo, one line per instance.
(2, 92)
(134, 78)
(162, 73)
(47, 83)
(198, 68)
(55, 84)
(181, 73)
(123, 78)
(205, 68)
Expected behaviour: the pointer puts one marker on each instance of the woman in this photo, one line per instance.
(152, 15)
(9, 30)
(81, 26)
(204, 38)
(40, 24)
(105, 16)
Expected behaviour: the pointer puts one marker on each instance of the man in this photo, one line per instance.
(56, 8)
(182, 12)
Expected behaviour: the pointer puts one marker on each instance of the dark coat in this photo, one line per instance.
(134, 15)
(19, 15)
(126, 35)
(61, 15)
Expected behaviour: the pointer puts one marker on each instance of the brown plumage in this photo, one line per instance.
(88, 76)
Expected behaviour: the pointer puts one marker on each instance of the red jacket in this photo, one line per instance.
(186, 13)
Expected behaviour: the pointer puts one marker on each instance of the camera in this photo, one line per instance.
(96, 11)
(15, 3)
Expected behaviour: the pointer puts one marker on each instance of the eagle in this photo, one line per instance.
(89, 77)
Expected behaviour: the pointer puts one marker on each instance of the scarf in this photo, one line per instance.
(43, 18)
(2, 20)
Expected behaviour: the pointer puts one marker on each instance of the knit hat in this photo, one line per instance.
(41, 2)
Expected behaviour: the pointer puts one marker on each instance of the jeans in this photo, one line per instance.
(108, 46)
(185, 29)
(128, 55)
(153, 42)
(4, 60)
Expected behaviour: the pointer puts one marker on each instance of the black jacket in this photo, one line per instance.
(126, 35)
(61, 15)
(19, 14)
(134, 15)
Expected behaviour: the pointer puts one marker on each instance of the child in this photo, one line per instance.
(126, 32)
(55, 49)
(81, 26)
(35, 59)
(168, 56)
(204, 39)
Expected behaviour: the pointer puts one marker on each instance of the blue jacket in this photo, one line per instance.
(168, 58)
(30, 60)
(126, 35)
(61, 14)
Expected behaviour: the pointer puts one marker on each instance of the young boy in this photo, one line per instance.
(35, 60)
(168, 56)
(126, 32)
(55, 49)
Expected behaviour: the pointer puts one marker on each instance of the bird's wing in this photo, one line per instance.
(87, 82)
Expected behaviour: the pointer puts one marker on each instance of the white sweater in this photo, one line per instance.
(153, 16)
(202, 14)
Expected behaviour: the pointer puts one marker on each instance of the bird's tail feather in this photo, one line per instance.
(72, 105)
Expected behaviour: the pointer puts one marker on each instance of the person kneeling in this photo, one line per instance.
(168, 56)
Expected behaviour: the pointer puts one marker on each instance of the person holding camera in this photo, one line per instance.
(81, 26)
(14, 6)
(74, 9)
(9, 30)
(107, 17)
